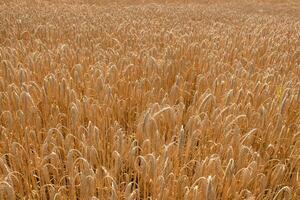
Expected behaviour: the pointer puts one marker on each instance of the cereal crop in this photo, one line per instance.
(160, 100)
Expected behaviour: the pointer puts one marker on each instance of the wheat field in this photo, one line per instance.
(161, 100)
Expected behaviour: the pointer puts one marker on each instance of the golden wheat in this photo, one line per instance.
(149, 100)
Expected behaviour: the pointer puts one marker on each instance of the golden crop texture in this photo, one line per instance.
(161, 100)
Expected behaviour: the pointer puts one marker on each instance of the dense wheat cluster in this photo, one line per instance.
(159, 101)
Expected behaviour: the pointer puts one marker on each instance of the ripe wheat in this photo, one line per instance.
(153, 100)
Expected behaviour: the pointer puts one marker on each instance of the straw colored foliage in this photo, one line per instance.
(153, 100)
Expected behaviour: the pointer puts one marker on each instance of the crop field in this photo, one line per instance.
(161, 100)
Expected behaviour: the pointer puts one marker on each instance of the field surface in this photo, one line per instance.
(137, 100)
